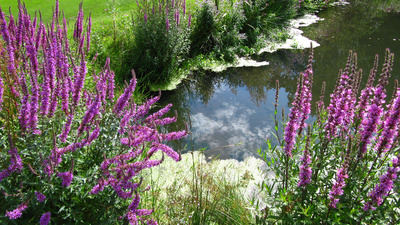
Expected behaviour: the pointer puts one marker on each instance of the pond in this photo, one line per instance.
(230, 113)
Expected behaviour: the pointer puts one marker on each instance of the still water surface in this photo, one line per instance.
(231, 113)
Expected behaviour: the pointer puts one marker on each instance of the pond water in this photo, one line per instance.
(231, 113)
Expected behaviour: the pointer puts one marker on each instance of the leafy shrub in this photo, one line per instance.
(64, 138)
(216, 31)
(344, 170)
(204, 37)
(264, 15)
(161, 43)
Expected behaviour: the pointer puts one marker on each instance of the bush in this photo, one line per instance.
(264, 15)
(161, 43)
(343, 170)
(204, 32)
(65, 137)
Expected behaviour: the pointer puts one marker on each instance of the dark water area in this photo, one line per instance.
(231, 113)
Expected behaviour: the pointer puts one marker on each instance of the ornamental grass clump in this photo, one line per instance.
(343, 168)
(64, 135)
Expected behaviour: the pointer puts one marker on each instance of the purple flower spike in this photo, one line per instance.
(390, 126)
(1, 92)
(305, 169)
(39, 196)
(67, 127)
(91, 113)
(337, 188)
(167, 22)
(45, 218)
(384, 187)
(79, 82)
(124, 98)
(17, 213)
(66, 177)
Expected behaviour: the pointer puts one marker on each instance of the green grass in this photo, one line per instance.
(97, 8)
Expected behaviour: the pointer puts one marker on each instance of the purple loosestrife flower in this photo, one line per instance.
(305, 169)
(7, 39)
(65, 93)
(66, 177)
(98, 187)
(124, 98)
(39, 196)
(174, 135)
(24, 110)
(1, 91)
(167, 150)
(305, 98)
(78, 24)
(95, 133)
(337, 188)
(33, 116)
(4, 174)
(293, 124)
(81, 45)
(54, 99)
(190, 20)
(368, 90)
(369, 125)
(384, 187)
(91, 113)
(78, 82)
(339, 106)
(177, 17)
(167, 23)
(135, 203)
(290, 132)
(16, 162)
(71, 148)
(17, 213)
(145, 17)
(67, 127)
(89, 28)
(45, 218)
(158, 114)
(390, 126)
(184, 7)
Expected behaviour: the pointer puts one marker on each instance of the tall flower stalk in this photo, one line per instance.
(346, 153)
(59, 128)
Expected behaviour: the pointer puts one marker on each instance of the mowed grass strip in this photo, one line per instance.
(99, 9)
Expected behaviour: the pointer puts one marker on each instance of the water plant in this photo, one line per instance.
(71, 151)
(342, 167)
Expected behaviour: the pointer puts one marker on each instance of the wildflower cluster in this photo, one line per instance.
(55, 125)
(341, 169)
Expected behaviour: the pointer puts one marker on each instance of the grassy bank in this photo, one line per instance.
(99, 10)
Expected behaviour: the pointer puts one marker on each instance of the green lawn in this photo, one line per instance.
(98, 8)
(70, 7)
